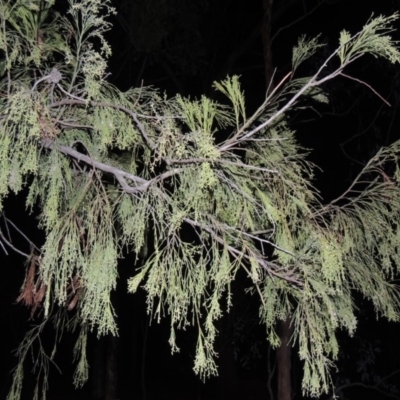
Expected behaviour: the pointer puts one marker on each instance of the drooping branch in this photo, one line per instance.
(8, 241)
(83, 102)
(119, 174)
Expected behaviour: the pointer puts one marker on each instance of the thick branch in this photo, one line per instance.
(118, 173)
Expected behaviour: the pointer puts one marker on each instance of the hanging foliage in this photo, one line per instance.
(105, 167)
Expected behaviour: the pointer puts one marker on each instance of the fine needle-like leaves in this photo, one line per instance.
(112, 171)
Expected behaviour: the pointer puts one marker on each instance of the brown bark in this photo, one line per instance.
(283, 356)
(111, 387)
(98, 368)
(227, 370)
(283, 353)
(266, 39)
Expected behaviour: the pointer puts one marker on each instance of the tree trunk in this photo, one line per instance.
(111, 389)
(145, 331)
(266, 40)
(98, 368)
(283, 356)
(227, 369)
(104, 371)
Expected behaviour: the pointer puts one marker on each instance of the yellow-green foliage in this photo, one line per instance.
(110, 171)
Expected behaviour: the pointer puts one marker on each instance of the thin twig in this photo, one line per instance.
(22, 233)
(356, 181)
(261, 240)
(366, 386)
(266, 265)
(6, 225)
(71, 125)
(12, 246)
(4, 249)
(366, 84)
(282, 28)
(220, 161)
(311, 83)
(228, 144)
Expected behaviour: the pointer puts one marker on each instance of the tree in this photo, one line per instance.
(215, 191)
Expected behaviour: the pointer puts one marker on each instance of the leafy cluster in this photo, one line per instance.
(111, 171)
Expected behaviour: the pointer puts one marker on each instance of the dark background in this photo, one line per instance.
(181, 47)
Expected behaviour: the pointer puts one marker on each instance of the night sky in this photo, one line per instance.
(203, 41)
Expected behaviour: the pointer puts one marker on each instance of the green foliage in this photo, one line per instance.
(305, 49)
(373, 39)
(105, 167)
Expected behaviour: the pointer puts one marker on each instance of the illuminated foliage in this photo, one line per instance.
(109, 170)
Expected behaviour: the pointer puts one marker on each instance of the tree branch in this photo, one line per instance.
(79, 101)
(11, 246)
(365, 84)
(366, 386)
(311, 83)
(118, 173)
(307, 14)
